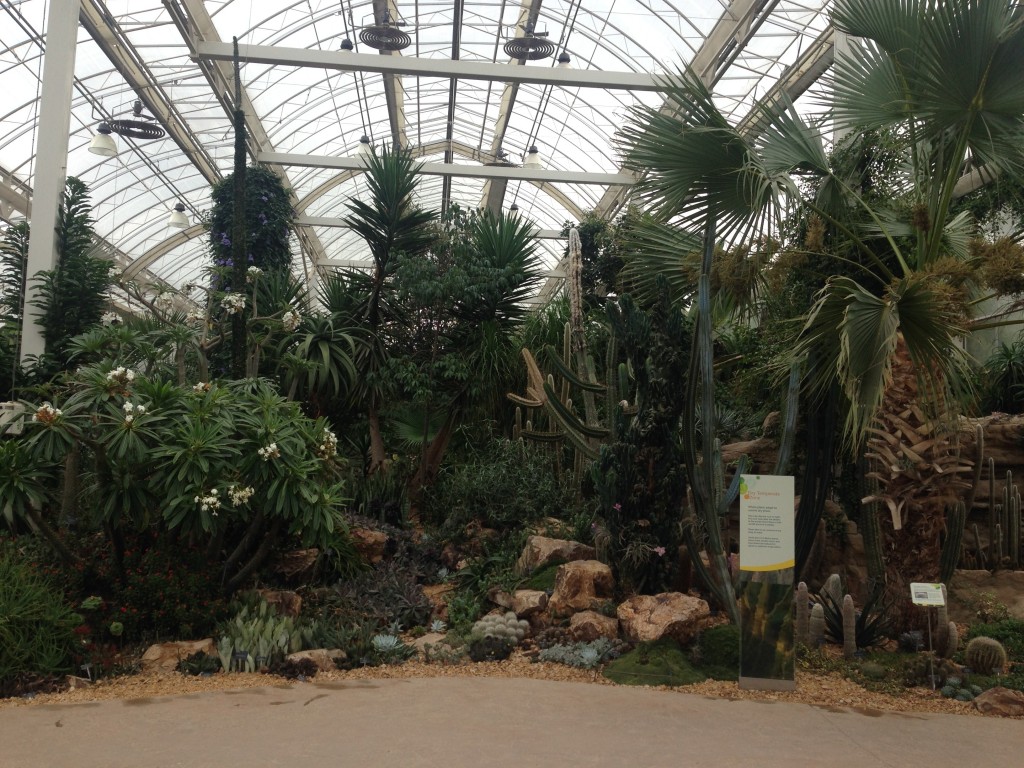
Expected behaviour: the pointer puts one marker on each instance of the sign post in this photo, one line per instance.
(928, 595)
(765, 591)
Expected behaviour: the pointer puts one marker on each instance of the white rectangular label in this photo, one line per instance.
(926, 594)
(767, 540)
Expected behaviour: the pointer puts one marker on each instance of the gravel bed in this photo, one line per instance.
(828, 690)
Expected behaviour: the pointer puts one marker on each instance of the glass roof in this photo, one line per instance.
(130, 49)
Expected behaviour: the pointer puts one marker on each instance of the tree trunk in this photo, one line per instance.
(377, 455)
(258, 558)
(51, 536)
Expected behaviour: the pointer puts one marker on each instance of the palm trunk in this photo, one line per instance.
(377, 455)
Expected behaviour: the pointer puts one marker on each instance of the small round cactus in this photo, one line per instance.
(985, 655)
(506, 627)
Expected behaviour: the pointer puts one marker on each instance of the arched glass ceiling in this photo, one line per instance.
(143, 48)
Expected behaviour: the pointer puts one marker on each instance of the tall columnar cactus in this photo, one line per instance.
(803, 614)
(849, 628)
(952, 641)
(956, 521)
(711, 498)
(816, 626)
(833, 587)
(985, 656)
(942, 631)
(1011, 514)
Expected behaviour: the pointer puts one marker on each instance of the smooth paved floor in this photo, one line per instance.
(488, 723)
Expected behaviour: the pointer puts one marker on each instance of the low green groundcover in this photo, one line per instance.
(659, 663)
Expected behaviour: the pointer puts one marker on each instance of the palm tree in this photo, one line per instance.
(941, 81)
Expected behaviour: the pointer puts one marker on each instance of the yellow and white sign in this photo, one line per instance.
(767, 540)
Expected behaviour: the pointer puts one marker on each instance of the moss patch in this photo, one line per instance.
(720, 652)
(660, 663)
(544, 579)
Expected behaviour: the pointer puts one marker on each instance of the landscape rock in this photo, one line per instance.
(590, 625)
(420, 643)
(541, 551)
(646, 618)
(286, 603)
(1000, 701)
(77, 682)
(500, 597)
(324, 658)
(371, 545)
(165, 656)
(526, 602)
(1006, 587)
(437, 595)
(297, 564)
(579, 586)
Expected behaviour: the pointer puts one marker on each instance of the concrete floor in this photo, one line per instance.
(464, 722)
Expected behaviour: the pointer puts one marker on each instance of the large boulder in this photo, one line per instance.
(437, 594)
(580, 586)
(590, 625)
(325, 659)
(165, 656)
(1000, 701)
(371, 545)
(526, 602)
(541, 551)
(646, 618)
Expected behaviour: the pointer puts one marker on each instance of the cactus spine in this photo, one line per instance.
(816, 626)
(849, 628)
(803, 614)
(985, 656)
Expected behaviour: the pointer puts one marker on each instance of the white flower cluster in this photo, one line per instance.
(252, 273)
(269, 452)
(328, 447)
(131, 411)
(193, 317)
(202, 386)
(46, 414)
(121, 375)
(209, 502)
(115, 274)
(240, 496)
(291, 319)
(164, 300)
(109, 318)
(233, 302)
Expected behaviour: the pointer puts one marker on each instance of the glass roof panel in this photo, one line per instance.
(146, 53)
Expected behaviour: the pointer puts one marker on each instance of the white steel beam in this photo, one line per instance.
(51, 153)
(450, 169)
(394, 92)
(430, 68)
(97, 21)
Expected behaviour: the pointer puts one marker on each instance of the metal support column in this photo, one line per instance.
(51, 163)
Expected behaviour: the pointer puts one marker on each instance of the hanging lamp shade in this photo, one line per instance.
(533, 158)
(103, 143)
(346, 45)
(178, 219)
(513, 208)
(365, 148)
(564, 60)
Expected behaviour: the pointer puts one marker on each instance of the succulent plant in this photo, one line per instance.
(816, 626)
(582, 655)
(849, 628)
(438, 627)
(985, 655)
(803, 614)
(505, 626)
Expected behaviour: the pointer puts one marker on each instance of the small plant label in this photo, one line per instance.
(927, 594)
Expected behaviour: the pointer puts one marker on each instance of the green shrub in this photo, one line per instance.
(544, 579)
(1009, 632)
(36, 626)
(509, 484)
(386, 596)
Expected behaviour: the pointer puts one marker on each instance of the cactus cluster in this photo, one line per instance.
(955, 688)
(947, 636)
(503, 626)
(985, 656)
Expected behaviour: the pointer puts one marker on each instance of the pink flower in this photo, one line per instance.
(617, 507)
(660, 551)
